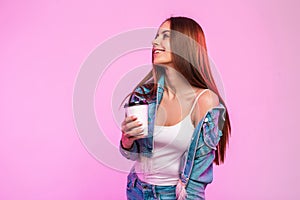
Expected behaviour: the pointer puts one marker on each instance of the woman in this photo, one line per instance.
(188, 122)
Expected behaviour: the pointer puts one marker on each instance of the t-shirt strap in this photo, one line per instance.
(196, 100)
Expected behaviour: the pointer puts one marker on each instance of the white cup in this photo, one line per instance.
(141, 112)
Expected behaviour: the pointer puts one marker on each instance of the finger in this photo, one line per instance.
(134, 132)
(133, 138)
(128, 120)
(131, 125)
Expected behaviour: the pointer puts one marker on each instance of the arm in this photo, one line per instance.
(212, 124)
(212, 115)
(132, 153)
(128, 146)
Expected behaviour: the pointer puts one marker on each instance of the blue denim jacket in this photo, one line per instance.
(196, 169)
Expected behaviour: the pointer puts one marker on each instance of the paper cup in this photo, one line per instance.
(141, 112)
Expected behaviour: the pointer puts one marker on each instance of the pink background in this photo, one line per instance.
(253, 43)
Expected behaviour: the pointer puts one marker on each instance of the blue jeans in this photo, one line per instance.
(139, 190)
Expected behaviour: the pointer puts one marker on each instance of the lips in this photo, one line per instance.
(156, 51)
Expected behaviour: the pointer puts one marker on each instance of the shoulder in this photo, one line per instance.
(207, 100)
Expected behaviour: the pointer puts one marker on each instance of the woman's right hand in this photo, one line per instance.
(131, 128)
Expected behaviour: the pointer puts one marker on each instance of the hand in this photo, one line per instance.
(130, 131)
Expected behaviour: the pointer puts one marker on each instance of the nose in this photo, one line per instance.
(155, 42)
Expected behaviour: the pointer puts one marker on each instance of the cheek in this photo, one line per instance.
(168, 51)
(169, 56)
(164, 58)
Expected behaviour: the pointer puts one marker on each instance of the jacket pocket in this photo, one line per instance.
(130, 181)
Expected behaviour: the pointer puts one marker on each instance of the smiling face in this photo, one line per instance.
(161, 51)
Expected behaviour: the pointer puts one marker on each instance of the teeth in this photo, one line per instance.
(158, 51)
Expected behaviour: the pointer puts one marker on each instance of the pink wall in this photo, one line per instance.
(254, 45)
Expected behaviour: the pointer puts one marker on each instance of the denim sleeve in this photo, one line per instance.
(132, 153)
(211, 131)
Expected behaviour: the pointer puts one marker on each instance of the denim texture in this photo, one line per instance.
(137, 189)
(196, 170)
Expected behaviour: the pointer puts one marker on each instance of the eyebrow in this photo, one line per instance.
(165, 31)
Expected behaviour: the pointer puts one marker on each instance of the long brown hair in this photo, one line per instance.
(192, 62)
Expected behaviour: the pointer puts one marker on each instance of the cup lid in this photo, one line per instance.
(135, 103)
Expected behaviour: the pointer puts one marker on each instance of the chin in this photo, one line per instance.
(164, 63)
(158, 64)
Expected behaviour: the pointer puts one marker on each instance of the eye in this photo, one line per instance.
(166, 35)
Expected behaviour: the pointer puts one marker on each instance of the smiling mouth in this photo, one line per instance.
(156, 51)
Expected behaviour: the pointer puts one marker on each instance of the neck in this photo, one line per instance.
(176, 85)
